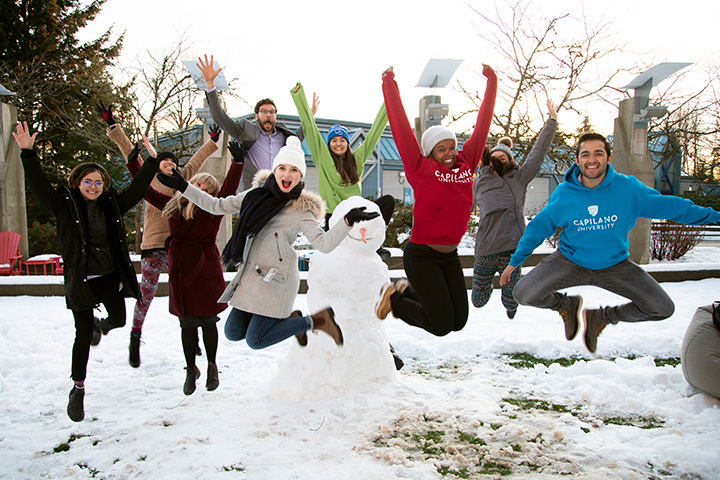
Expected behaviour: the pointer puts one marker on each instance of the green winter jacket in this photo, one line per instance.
(331, 187)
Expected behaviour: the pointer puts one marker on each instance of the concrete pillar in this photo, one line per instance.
(631, 157)
(217, 165)
(13, 210)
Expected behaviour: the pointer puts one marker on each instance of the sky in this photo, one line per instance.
(326, 412)
(340, 49)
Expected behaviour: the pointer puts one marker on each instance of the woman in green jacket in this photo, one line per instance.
(339, 168)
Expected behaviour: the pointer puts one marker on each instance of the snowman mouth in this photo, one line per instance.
(363, 238)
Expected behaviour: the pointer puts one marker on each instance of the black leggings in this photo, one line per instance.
(189, 336)
(437, 299)
(107, 291)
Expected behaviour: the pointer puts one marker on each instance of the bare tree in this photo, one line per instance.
(559, 57)
(693, 122)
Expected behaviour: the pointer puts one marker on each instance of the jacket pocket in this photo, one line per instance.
(270, 274)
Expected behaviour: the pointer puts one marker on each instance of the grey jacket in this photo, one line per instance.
(244, 132)
(501, 200)
(255, 288)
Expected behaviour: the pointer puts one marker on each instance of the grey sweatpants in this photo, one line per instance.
(648, 301)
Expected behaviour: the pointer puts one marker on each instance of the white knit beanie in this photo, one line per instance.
(291, 154)
(435, 135)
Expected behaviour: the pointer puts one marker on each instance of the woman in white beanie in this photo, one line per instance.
(434, 296)
(272, 213)
(499, 192)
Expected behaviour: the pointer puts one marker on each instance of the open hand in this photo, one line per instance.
(105, 113)
(208, 71)
(358, 214)
(175, 181)
(315, 104)
(149, 147)
(23, 137)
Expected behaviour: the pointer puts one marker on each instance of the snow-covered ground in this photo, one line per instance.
(459, 408)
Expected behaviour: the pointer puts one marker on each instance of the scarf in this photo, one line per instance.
(259, 206)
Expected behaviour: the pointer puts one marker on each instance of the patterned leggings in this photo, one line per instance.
(151, 263)
(483, 273)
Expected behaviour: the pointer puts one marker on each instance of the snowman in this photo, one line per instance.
(349, 280)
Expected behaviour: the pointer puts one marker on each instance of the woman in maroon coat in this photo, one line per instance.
(196, 276)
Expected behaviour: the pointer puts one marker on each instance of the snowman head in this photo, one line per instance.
(366, 236)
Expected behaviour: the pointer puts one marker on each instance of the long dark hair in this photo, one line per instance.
(346, 166)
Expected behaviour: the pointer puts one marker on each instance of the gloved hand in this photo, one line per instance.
(105, 113)
(358, 214)
(133, 155)
(237, 152)
(215, 133)
(174, 181)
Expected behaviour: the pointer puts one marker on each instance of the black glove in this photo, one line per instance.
(215, 133)
(174, 181)
(105, 113)
(237, 152)
(358, 214)
(133, 155)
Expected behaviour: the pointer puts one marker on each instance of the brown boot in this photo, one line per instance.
(324, 320)
(301, 338)
(594, 324)
(383, 306)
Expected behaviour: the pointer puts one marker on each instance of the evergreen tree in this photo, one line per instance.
(58, 80)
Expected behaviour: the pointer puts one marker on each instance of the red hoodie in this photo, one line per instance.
(443, 196)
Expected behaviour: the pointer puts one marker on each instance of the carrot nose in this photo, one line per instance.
(362, 234)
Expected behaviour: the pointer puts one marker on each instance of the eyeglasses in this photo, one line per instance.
(268, 112)
(89, 183)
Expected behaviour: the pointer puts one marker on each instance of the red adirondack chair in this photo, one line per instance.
(10, 253)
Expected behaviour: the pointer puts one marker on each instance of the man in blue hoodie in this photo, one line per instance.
(596, 208)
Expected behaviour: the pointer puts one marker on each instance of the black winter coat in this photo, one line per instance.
(70, 210)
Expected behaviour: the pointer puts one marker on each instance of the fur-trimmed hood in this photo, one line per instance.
(306, 201)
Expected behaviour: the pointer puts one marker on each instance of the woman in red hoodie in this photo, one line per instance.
(434, 296)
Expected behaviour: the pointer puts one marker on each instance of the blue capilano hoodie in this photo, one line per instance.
(596, 221)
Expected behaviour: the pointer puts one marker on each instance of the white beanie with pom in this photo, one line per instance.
(291, 154)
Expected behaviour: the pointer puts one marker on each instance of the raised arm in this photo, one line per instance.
(219, 116)
(364, 151)
(401, 130)
(532, 165)
(473, 148)
(316, 144)
(38, 183)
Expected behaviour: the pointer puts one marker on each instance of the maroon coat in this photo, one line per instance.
(196, 276)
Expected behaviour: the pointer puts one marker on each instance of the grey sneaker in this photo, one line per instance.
(594, 324)
(571, 316)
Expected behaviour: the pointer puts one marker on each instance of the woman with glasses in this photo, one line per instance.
(91, 233)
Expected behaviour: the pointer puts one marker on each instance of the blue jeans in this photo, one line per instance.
(260, 331)
(648, 301)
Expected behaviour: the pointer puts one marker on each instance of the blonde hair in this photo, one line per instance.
(180, 205)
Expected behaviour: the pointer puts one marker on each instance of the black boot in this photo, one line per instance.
(75, 408)
(191, 374)
(396, 358)
(135, 349)
(97, 332)
(213, 381)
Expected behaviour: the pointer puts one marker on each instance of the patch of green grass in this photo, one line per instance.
(494, 468)
(526, 360)
(428, 442)
(531, 403)
(516, 448)
(235, 467)
(65, 446)
(672, 361)
(470, 438)
(142, 458)
(495, 426)
(93, 473)
(462, 473)
(646, 423)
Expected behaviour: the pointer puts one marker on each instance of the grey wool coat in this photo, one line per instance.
(255, 289)
(501, 200)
